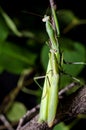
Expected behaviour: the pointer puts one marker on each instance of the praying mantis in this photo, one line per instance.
(49, 101)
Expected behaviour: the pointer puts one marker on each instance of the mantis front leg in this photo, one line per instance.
(53, 91)
(49, 100)
(45, 96)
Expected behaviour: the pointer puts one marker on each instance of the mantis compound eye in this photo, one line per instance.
(46, 18)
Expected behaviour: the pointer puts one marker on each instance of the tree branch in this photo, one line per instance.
(69, 107)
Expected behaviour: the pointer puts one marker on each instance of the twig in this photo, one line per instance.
(68, 108)
(52, 3)
(5, 122)
(8, 100)
(29, 115)
(35, 110)
(67, 88)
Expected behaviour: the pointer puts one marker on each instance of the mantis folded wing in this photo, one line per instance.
(49, 100)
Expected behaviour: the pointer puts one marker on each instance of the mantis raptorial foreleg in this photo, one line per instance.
(49, 100)
(75, 63)
(37, 78)
(47, 114)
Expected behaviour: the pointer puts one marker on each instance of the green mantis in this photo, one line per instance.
(49, 100)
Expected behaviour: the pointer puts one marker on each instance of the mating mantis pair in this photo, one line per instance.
(49, 100)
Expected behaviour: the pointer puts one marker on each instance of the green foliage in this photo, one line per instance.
(61, 126)
(67, 17)
(4, 31)
(14, 57)
(16, 111)
(72, 52)
(10, 23)
(44, 57)
(68, 20)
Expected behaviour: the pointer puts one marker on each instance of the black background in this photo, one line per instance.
(15, 7)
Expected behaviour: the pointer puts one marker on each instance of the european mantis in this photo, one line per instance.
(49, 99)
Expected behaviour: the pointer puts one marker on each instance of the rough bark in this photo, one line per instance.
(69, 107)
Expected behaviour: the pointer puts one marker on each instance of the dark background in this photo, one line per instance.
(16, 7)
